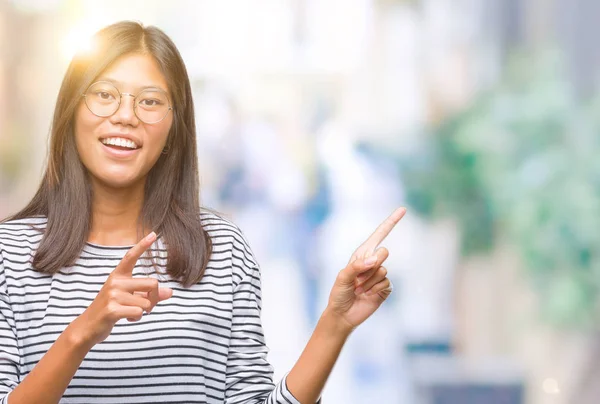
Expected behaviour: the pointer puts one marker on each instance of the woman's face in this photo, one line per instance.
(122, 163)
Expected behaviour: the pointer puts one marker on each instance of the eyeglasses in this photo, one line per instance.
(103, 99)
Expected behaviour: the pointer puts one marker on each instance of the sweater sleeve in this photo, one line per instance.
(249, 377)
(9, 351)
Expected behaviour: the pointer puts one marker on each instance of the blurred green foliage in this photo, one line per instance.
(523, 163)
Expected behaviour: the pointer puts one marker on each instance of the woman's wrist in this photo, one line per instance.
(335, 323)
(77, 337)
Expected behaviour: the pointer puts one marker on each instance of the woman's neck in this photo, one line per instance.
(115, 215)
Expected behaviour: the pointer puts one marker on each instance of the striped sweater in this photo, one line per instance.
(203, 345)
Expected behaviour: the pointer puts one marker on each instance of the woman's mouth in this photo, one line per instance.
(119, 147)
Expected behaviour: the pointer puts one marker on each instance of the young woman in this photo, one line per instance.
(91, 308)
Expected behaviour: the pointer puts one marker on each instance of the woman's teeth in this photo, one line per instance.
(118, 141)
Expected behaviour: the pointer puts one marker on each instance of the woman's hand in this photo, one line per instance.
(121, 296)
(363, 286)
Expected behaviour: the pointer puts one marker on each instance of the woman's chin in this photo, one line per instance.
(118, 181)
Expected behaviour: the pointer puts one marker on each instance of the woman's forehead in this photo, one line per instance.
(135, 72)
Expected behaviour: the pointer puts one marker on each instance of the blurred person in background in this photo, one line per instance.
(116, 231)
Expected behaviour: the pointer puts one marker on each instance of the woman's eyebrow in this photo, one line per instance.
(119, 84)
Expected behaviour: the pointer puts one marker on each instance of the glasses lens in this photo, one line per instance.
(152, 106)
(102, 99)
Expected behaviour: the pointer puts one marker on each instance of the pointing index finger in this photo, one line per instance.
(127, 264)
(383, 230)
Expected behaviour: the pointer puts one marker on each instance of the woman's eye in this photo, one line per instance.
(104, 95)
(150, 102)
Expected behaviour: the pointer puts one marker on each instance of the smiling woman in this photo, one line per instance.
(86, 317)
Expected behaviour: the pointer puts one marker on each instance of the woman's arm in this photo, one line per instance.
(50, 377)
(308, 376)
(359, 290)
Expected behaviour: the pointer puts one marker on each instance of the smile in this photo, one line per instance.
(120, 143)
(119, 152)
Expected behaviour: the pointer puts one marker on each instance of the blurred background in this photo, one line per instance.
(316, 118)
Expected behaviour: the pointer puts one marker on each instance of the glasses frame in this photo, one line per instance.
(84, 95)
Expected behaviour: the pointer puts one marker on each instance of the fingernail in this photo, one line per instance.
(359, 291)
(151, 236)
(371, 260)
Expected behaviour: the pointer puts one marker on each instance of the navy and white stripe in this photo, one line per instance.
(203, 345)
